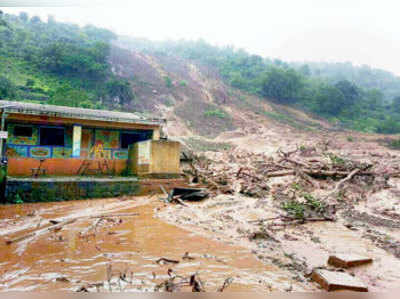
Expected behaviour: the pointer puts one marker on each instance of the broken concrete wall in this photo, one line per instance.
(154, 157)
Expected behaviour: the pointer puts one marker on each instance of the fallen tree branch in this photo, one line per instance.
(340, 183)
(60, 224)
(40, 231)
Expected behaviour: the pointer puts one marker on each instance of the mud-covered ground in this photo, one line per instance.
(367, 209)
(227, 236)
(120, 253)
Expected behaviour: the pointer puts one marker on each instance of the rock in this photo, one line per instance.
(348, 260)
(332, 281)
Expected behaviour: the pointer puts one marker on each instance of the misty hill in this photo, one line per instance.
(363, 76)
(200, 88)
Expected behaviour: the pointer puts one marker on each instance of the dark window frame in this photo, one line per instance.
(122, 141)
(20, 127)
(49, 141)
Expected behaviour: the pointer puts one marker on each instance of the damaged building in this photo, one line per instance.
(82, 145)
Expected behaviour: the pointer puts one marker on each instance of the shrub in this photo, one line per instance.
(7, 88)
(168, 82)
(215, 113)
(30, 83)
(395, 144)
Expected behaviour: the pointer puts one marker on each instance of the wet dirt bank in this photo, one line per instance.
(120, 253)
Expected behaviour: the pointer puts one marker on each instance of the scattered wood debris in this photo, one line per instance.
(248, 173)
(57, 225)
(334, 280)
(163, 261)
(348, 260)
(226, 284)
(186, 256)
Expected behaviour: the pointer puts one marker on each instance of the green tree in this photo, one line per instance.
(282, 84)
(68, 96)
(120, 90)
(30, 83)
(329, 100)
(349, 91)
(23, 16)
(396, 104)
(389, 126)
(373, 99)
(7, 88)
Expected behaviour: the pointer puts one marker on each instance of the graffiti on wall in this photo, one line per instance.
(22, 140)
(40, 152)
(109, 139)
(123, 154)
(16, 151)
(62, 152)
(29, 146)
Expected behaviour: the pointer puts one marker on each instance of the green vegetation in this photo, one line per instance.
(60, 63)
(168, 82)
(294, 208)
(395, 144)
(65, 64)
(300, 210)
(215, 113)
(359, 98)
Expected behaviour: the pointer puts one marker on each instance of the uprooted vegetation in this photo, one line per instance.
(295, 207)
(313, 168)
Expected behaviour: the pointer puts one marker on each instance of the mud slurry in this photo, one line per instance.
(120, 253)
(295, 249)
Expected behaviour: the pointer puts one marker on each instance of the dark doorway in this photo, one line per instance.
(52, 136)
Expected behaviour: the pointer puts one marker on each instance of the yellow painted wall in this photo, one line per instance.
(164, 158)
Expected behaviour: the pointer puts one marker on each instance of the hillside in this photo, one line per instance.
(201, 89)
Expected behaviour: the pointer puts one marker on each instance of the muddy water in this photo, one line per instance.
(75, 256)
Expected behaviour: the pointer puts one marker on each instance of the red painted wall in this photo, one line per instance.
(57, 166)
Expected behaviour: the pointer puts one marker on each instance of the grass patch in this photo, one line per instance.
(200, 145)
(286, 118)
(395, 144)
(216, 113)
(302, 209)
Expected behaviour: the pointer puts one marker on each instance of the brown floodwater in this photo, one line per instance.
(81, 252)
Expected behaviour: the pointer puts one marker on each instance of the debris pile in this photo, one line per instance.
(313, 168)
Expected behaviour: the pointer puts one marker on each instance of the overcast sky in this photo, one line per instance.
(363, 32)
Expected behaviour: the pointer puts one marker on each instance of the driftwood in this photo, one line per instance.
(60, 224)
(166, 261)
(115, 215)
(340, 184)
(40, 231)
(248, 173)
(226, 284)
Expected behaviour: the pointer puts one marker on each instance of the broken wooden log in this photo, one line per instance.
(40, 231)
(333, 281)
(348, 260)
(340, 184)
(166, 261)
(60, 224)
(226, 284)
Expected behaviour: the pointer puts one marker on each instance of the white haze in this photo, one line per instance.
(363, 32)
